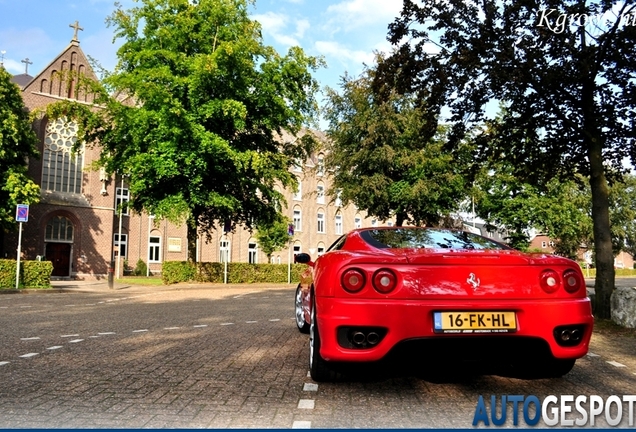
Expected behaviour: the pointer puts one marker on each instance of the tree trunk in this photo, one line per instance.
(604, 284)
(192, 241)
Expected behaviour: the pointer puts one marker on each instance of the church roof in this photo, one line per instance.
(22, 80)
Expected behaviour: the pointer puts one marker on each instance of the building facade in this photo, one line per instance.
(80, 226)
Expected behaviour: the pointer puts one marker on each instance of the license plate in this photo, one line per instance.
(475, 322)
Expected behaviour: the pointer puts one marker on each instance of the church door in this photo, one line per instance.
(60, 255)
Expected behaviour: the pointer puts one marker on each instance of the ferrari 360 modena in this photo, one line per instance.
(444, 295)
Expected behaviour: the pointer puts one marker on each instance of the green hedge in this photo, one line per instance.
(33, 274)
(182, 271)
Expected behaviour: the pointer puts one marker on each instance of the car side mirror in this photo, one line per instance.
(302, 258)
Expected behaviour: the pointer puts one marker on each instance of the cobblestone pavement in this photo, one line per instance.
(231, 357)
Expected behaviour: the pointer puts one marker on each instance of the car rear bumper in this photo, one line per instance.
(399, 321)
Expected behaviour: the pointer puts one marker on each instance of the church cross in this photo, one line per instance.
(27, 63)
(76, 27)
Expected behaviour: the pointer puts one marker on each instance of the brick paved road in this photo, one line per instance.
(213, 357)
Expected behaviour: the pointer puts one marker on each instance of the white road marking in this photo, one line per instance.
(310, 387)
(251, 322)
(591, 354)
(29, 355)
(171, 328)
(227, 324)
(70, 305)
(308, 374)
(55, 347)
(301, 424)
(75, 340)
(89, 304)
(30, 338)
(274, 320)
(26, 306)
(2, 363)
(94, 336)
(4, 307)
(200, 325)
(140, 331)
(67, 336)
(617, 364)
(306, 404)
(106, 333)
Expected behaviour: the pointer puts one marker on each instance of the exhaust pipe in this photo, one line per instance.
(373, 338)
(358, 338)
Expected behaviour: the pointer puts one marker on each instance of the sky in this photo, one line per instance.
(344, 32)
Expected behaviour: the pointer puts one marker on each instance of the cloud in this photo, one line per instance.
(276, 25)
(343, 54)
(359, 13)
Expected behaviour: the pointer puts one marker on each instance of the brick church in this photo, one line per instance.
(77, 227)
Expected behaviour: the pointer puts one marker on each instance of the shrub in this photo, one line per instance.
(33, 274)
(140, 269)
(213, 272)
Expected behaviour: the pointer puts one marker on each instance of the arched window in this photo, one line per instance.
(338, 221)
(61, 167)
(59, 229)
(321, 248)
(320, 193)
(298, 219)
(320, 222)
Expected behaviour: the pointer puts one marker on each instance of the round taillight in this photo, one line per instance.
(571, 281)
(384, 281)
(549, 281)
(353, 280)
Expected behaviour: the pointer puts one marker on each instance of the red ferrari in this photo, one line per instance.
(441, 294)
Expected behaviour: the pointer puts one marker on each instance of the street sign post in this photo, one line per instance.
(21, 215)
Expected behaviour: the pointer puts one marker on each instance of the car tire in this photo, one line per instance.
(303, 326)
(319, 369)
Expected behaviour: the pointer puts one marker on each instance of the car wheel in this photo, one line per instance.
(303, 326)
(318, 367)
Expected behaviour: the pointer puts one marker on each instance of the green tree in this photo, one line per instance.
(273, 237)
(564, 68)
(557, 209)
(382, 163)
(194, 111)
(17, 144)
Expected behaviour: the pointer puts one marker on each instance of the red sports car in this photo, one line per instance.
(441, 294)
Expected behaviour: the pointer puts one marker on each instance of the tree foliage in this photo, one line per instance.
(381, 160)
(564, 68)
(273, 237)
(194, 111)
(17, 144)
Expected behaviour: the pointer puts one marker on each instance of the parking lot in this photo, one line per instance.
(219, 357)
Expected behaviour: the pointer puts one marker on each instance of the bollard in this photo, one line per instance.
(111, 275)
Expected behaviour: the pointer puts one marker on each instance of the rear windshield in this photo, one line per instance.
(428, 238)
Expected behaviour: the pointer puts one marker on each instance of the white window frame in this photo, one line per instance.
(154, 249)
(298, 220)
(357, 222)
(252, 253)
(321, 222)
(298, 196)
(338, 222)
(119, 245)
(320, 193)
(321, 165)
(122, 195)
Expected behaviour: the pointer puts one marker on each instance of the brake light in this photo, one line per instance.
(353, 280)
(384, 281)
(571, 281)
(549, 281)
